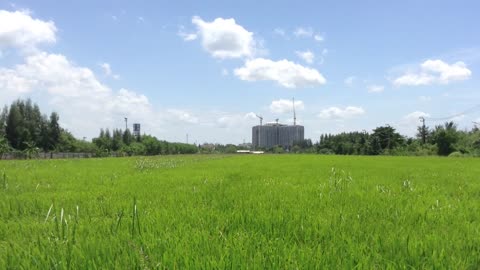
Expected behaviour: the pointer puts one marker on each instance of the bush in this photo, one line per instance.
(455, 154)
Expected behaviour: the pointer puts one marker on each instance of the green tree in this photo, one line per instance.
(375, 147)
(54, 130)
(3, 122)
(388, 137)
(4, 147)
(445, 137)
(127, 137)
(13, 128)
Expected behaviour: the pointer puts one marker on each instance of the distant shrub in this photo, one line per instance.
(326, 151)
(455, 154)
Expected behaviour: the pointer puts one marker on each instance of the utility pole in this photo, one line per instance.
(126, 123)
(187, 138)
(423, 130)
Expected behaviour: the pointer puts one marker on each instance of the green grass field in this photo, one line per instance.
(241, 212)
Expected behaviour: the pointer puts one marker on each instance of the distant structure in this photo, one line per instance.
(276, 134)
(136, 130)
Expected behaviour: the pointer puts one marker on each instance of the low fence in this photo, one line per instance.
(51, 155)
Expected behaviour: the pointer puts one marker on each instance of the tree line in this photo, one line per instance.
(24, 129)
(442, 140)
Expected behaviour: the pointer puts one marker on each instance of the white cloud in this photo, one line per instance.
(454, 72)
(182, 115)
(53, 73)
(414, 117)
(84, 103)
(186, 36)
(306, 56)
(318, 37)
(224, 38)
(303, 32)
(434, 71)
(349, 81)
(250, 116)
(285, 106)
(284, 72)
(234, 121)
(414, 80)
(339, 113)
(375, 88)
(19, 30)
(308, 32)
(409, 123)
(107, 70)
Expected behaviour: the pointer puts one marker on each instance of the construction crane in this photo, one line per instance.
(259, 117)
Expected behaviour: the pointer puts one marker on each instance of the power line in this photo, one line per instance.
(470, 110)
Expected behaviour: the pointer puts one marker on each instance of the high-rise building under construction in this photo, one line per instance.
(276, 134)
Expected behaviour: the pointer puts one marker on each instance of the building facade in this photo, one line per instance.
(270, 135)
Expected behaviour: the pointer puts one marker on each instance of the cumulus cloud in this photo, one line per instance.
(414, 117)
(318, 37)
(303, 32)
(434, 71)
(186, 36)
(284, 72)
(306, 56)
(409, 123)
(308, 32)
(85, 103)
(236, 120)
(224, 38)
(182, 115)
(20, 31)
(339, 113)
(107, 70)
(285, 106)
(55, 75)
(375, 88)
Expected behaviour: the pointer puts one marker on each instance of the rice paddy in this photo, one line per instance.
(241, 212)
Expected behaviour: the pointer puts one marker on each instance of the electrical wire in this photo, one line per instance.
(470, 110)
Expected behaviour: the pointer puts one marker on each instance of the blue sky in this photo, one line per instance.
(206, 67)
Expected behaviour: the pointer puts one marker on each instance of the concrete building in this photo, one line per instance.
(273, 134)
(136, 130)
